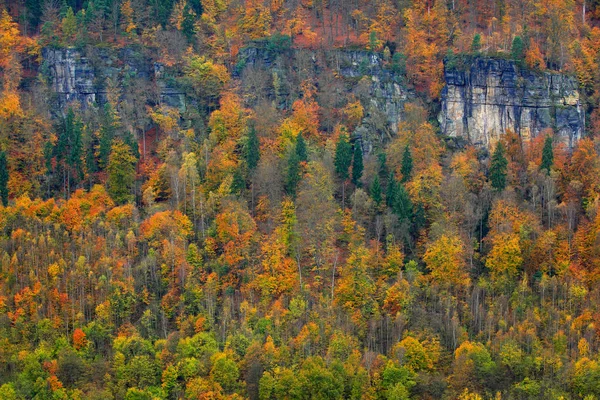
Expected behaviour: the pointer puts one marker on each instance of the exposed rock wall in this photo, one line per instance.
(485, 97)
(78, 77)
(381, 90)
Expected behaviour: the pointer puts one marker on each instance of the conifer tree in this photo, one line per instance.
(252, 149)
(121, 172)
(343, 157)
(407, 165)
(547, 155)
(357, 164)
(498, 168)
(402, 205)
(376, 190)
(3, 178)
(517, 49)
(187, 25)
(391, 189)
(301, 148)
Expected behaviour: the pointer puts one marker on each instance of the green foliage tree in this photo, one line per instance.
(517, 49)
(376, 190)
(3, 178)
(188, 24)
(301, 151)
(391, 189)
(357, 164)
(547, 155)
(498, 168)
(121, 172)
(252, 149)
(476, 43)
(407, 165)
(343, 157)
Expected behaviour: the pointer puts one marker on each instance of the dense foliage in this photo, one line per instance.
(249, 245)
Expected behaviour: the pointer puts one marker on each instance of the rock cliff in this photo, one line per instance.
(484, 97)
(365, 74)
(75, 76)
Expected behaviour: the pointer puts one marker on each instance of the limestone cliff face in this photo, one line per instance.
(78, 77)
(381, 91)
(485, 97)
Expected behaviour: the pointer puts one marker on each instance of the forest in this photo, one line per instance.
(256, 199)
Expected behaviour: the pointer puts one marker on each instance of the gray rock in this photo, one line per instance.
(487, 96)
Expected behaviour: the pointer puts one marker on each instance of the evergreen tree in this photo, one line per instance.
(301, 151)
(402, 205)
(391, 189)
(407, 165)
(517, 49)
(197, 7)
(121, 172)
(3, 178)
(252, 149)
(357, 164)
(188, 24)
(292, 174)
(383, 169)
(107, 134)
(547, 155)
(476, 43)
(498, 168)
(376, 190)
(343, 157)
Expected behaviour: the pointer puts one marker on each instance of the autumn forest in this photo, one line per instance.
(299, 199)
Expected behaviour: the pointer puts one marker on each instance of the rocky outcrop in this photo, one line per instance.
(484, 97)
(78, 77)
(381, 90)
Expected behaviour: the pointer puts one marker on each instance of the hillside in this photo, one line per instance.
(229, 199)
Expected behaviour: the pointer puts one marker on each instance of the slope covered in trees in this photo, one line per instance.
(255, 241)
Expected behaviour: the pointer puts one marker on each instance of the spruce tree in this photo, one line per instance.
(407, 165)
(391, 189)
(252, 149)
(357, 164)
(188, 24)
(547, 155)
(402, 205)
(376, 190)
(301, 148)
(343, 157)
(476, 43)
(517, 49)
(292, 174)
(3, 178)
(498, 168)
(121, 172)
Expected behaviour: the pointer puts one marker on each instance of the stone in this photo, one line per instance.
(485, 97)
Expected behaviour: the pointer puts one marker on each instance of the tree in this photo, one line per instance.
(343, 157)
(121, 172)
(357, 164)
(445, 259)
(301, 148)
(188, 24)
(476, 44)
(3, 178)
(252, 149)
(498, 168)
(517, 49)
(547, 155)
(294, 167)
(407, 165)
(376, 190)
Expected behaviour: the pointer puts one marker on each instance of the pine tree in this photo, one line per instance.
(301, 148)
(188, 24)
(391, 189)
(518, 49)
(357, 164)
(252, 149)
(476, 44)
(121, 172)
(376, 190)
(407, 165)
(292, 174)
(547, 155)
(402, 205)
(343, 157)
(3, 178)
(498, 168)
(383, 169)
